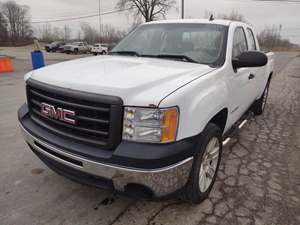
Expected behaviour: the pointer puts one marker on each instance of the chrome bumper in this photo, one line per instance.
(162, 181)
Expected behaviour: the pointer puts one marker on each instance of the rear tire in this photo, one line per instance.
(259, 105)
(206, 165)
(75, 51)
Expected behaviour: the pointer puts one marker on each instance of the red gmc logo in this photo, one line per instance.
(57, 113)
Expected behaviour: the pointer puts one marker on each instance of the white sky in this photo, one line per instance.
(258, 13)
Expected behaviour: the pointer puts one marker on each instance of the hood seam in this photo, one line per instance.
(183, 86)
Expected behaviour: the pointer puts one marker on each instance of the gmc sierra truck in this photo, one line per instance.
(151, 117)
(77, 47)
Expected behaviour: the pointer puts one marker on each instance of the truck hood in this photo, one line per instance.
(138, 81)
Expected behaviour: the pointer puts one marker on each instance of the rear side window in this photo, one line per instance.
(239, 42)
(252, 44)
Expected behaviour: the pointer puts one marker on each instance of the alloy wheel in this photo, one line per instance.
(209, 164)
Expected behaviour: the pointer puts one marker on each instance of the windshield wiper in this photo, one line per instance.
(170, 56)
(133, 53)
(180, 57)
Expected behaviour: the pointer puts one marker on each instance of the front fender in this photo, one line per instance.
(198, 102)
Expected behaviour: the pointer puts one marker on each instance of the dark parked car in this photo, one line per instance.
(54, 46)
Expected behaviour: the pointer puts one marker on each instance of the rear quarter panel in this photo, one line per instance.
(266, 71)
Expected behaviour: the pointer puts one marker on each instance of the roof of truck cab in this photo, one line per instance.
(202, 21)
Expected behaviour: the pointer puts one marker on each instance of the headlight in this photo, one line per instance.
(150, 125)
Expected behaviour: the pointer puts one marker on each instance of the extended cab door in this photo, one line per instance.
(240, 83)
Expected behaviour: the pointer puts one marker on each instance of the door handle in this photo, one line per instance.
(251, 76)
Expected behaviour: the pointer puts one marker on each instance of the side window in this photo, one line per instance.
(239, 42)
(252, 44)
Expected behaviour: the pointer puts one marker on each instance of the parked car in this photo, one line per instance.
(151, 117)
(54, 46)
(76, 47)
(61, 48)
(99, 49)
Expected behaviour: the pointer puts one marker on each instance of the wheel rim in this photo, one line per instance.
(264, 101)
(209, 164)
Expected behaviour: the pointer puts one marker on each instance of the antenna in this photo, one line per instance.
(211, 18)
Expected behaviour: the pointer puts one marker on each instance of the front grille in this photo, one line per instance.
(98, 117)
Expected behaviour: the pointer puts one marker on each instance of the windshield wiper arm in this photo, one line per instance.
(181, 57)
(125, 53)
(133, 53)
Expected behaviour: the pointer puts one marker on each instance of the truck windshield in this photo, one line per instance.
(200, 43)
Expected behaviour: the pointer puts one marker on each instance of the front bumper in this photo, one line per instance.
(159, 181)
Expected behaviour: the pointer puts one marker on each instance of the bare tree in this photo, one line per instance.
(46, 32)
(67, 33)
(234, 15)
(57, 34)
(135, 24)
(111, 34)
(3, 29)
(148, 9)
(89, 33)
(270, 39)
(18, 18)
(79, 36)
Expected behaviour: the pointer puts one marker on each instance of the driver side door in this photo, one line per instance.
(241, 93)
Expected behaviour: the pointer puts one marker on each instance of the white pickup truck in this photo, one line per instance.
(77, 47)
(151, 117)
(98, 49)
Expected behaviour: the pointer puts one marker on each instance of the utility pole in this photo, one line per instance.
(65, 33)
(182, 9)
(100, 30)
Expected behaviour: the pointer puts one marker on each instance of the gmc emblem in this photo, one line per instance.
(57, 113)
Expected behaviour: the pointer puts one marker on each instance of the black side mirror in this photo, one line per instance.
(250, 59)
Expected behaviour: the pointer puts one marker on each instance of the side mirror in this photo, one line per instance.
(250, 59)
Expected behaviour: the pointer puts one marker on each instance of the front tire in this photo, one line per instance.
(206, 165)
(259, 105)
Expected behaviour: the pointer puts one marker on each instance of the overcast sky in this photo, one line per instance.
(258, 13)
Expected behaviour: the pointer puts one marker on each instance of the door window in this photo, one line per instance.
(252, 45)
(239, 42)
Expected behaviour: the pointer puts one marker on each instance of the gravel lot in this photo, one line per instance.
(259, 180)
